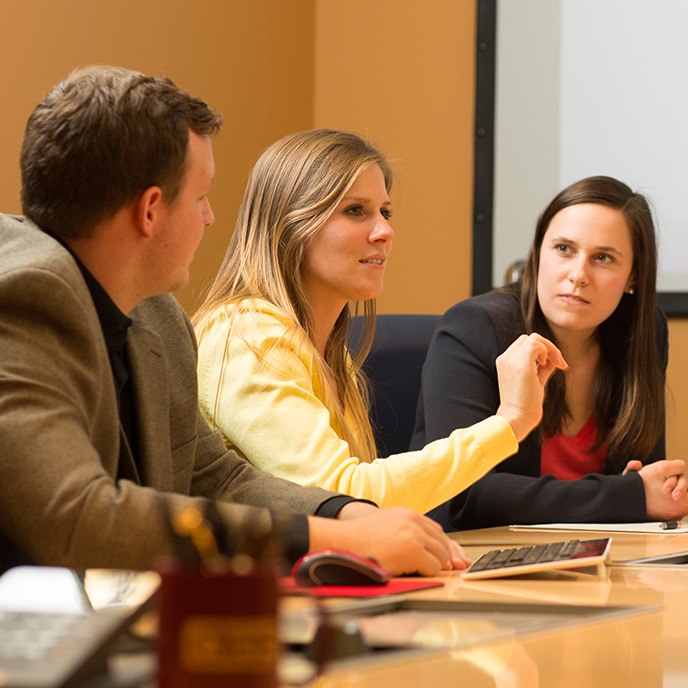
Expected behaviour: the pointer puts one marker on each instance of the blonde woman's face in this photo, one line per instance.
(347, 258)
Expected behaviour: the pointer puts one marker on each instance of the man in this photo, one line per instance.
(101, 440)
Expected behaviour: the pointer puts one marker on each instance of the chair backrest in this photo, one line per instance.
(394, 367)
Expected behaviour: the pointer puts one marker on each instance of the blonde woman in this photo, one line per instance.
(311, 243)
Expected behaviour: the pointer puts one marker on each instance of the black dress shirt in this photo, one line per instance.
(115, 325)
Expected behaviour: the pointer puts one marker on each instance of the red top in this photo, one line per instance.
(568, 458)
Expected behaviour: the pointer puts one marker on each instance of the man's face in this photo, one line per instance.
(185, 218)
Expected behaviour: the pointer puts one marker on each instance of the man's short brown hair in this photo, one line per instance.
(98, 139)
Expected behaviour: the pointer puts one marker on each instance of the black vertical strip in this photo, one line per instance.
(483, 190)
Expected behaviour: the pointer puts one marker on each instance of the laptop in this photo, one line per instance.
(58, 625)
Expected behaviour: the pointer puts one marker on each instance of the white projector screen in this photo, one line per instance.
(587, 87)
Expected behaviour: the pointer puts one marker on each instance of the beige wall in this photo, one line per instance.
(677, 390)
(396, 71)
(251, 59)
(405, 80)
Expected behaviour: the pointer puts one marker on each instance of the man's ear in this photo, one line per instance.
(148, 210)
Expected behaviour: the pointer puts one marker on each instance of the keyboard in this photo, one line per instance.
(570, 554)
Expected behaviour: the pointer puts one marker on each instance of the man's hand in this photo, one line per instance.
(397, 537)
(523, 371)
(666, 488)
(356, 510)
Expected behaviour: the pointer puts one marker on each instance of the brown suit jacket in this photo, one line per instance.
(60, 435)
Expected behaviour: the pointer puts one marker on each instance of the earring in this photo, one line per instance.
(631, 290)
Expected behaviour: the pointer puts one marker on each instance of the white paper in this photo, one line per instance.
(645, 527)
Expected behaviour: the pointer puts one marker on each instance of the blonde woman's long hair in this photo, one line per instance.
(291, 192)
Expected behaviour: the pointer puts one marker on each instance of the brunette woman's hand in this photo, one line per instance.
(523, 371)
(633, 465)
(666, 489)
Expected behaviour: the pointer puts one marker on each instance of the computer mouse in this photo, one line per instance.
(338, 567)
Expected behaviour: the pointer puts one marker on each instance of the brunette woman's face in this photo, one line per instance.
(346, 259)
(586, 263)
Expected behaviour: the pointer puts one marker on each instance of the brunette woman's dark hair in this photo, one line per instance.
(629, 391)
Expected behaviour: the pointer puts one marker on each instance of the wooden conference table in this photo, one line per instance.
(646, 647)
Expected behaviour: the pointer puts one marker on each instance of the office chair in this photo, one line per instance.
(394, 366)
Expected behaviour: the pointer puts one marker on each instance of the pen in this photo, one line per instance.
(670, 525)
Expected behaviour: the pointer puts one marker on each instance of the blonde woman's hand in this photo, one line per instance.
(523, 371)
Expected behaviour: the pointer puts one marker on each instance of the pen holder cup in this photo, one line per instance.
(218, 629)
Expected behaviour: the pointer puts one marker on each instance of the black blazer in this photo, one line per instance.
(459, 388)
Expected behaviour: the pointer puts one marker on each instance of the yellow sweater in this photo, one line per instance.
(275, 414)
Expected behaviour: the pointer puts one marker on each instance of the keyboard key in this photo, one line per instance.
(552, 552)
(534, 554)
(484, 561)
(570, 548)
(501, 558)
